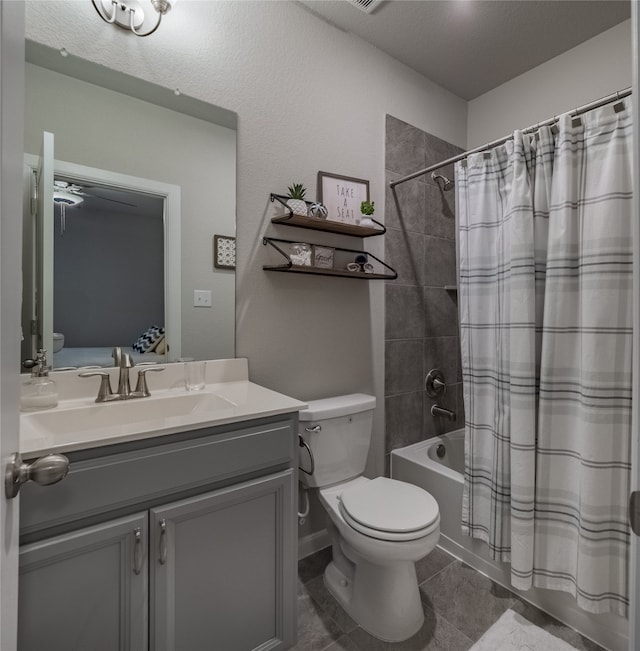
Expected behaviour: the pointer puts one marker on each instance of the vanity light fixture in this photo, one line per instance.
(129, 14)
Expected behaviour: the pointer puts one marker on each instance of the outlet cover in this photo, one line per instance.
(201, 298)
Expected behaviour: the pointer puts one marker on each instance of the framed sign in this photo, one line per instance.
(342, 196)
(224, 252)
(322, 256)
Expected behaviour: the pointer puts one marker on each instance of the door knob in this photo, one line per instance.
(46, 470)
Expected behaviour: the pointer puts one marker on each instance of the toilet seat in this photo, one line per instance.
(389, 509)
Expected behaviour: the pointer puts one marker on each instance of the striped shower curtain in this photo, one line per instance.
(545, 259)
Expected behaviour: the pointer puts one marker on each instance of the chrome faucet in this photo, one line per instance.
(124, 362)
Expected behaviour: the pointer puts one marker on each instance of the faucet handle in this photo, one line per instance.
(104, 392)
(435, 383)
(142, 388)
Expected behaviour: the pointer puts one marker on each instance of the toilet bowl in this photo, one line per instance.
(379, 527)
(373, 574)
(58, 342)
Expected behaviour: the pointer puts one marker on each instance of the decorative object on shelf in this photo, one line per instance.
(342, 195)
(323, 257)
(362, 260)
(361, 264)
(296, 199)
(224, 252)
(367, 208)
(300, 254)
(318, 211)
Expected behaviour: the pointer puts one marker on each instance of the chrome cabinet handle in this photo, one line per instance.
(137, 550)
(313, 428)
(45, 471)
(163, 542)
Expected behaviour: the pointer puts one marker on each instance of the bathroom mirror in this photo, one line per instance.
(119, 127)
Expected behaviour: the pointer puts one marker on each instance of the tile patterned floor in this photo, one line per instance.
(459, 606)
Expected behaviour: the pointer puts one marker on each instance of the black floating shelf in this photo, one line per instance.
(289, 267)
(317, 271)
(316, 224)
(451, 288)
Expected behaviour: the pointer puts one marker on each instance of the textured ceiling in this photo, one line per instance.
(472, 46)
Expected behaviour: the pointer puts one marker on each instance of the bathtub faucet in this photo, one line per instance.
(441, 411)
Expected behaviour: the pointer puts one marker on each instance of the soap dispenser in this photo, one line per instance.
(39, 391)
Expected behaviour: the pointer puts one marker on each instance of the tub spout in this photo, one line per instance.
(441, 411)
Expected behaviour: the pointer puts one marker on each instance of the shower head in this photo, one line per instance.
(442, 181)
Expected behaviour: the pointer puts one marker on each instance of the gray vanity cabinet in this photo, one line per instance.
(86, 589)
(182, 543)
(217, 564)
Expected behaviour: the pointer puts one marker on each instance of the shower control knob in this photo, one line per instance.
(435, 383)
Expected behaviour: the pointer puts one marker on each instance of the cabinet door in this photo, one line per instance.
(223, 569)
(86, 589)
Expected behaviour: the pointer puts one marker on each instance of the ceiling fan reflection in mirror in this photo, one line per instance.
(66, 195)
(69, 195)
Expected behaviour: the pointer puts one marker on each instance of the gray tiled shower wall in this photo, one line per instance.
(421, 316)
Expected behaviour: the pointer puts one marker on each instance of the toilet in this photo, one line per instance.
(379, 527)
(58, 342)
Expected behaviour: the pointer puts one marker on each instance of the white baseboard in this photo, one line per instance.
(312, 543)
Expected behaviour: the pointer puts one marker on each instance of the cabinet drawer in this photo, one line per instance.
(117, 481)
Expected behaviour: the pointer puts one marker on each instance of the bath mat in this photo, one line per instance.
(512, 632)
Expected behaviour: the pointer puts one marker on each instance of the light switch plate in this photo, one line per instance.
(201, 298)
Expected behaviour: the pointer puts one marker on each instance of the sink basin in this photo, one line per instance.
(127, 413)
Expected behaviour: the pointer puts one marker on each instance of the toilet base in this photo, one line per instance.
(383, 600)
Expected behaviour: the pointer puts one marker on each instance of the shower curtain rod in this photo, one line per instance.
(621, 94)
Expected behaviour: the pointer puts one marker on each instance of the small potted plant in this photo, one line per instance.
(296, 199)
(367, 208)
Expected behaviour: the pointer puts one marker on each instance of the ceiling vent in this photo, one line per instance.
(368, 6)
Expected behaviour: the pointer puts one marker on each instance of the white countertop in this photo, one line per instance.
(225, 379)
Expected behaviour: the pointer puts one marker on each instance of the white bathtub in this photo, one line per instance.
(420, 464)
(442, 477)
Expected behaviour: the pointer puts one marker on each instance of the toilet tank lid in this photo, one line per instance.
(337, 406)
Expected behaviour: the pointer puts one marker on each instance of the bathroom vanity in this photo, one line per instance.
(182, 537)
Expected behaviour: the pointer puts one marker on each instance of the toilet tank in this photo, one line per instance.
(338, 433)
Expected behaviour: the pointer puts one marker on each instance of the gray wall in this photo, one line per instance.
(593, 69)
(421, 316)
(108, 276)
